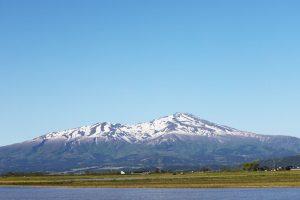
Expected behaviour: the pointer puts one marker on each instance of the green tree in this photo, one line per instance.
(251, 166)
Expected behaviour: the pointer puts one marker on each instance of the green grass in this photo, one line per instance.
(164, 180)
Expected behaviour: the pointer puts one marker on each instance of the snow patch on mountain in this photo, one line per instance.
(178, 123)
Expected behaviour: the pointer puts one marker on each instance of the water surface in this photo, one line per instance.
(14, 193)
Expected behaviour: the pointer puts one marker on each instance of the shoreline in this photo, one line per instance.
(95, 187)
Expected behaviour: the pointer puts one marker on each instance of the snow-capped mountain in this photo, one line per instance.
(178, 141)
(179, 123)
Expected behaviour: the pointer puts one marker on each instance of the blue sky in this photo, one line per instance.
(69, 63)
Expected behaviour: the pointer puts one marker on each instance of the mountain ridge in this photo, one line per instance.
(181, 123)
(178, 141)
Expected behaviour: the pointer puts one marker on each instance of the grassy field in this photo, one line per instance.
(164, 180)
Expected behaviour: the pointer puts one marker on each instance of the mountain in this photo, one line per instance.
(283, 162)
(179, 141)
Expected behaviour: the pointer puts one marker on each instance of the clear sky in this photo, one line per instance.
(67, 63)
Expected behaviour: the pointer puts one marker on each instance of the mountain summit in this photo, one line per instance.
(178, 141)
(178, 123)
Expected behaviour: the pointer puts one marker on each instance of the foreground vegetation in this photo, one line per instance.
(161, 180)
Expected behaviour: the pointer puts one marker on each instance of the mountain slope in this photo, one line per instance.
(179, 123)
(177, 141)
(276, 161)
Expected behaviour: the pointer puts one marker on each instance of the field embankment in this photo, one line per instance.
(163, 180)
